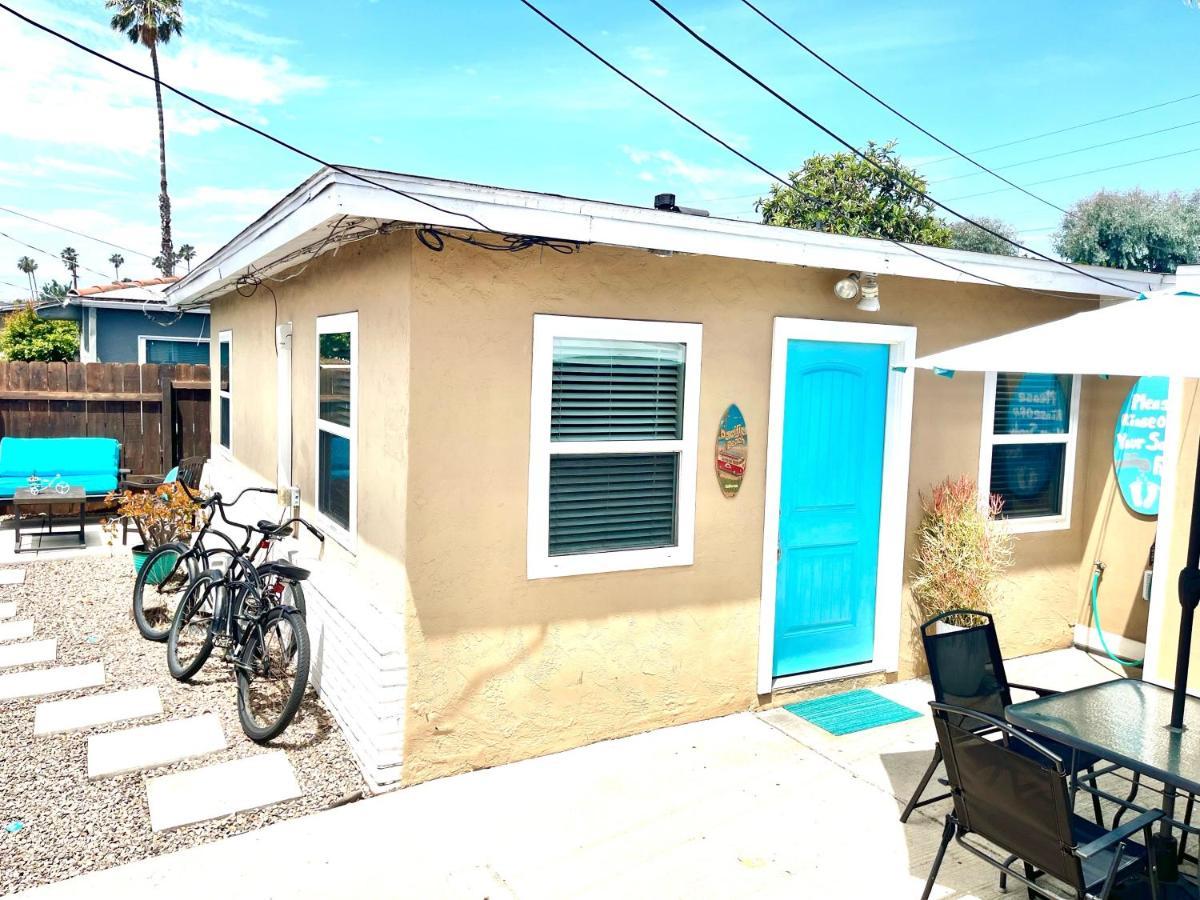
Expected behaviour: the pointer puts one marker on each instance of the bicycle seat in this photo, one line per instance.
(272, 529)
(283, 570)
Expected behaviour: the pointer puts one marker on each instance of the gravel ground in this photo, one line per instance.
(73, 825)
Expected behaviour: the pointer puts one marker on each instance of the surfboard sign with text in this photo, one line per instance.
(731, 450)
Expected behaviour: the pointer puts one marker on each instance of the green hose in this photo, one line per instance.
(1128, 663)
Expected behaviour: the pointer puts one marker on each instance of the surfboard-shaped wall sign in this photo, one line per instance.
(731, 450)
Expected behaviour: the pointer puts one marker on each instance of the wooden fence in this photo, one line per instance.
(159, 413)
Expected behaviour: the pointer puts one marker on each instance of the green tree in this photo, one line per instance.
(843, 194)
(29, 266)
(187, 253)
(54, 291)
(27, 336)
(70, 258)
(965, 236)
(117, 260)
(167, 268)
(1136, 229)
(150, 23)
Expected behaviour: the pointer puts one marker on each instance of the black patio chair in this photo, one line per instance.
(1012, 791)
(967, 669)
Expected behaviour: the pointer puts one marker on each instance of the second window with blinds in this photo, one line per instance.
(612, 456)
(1027, 450)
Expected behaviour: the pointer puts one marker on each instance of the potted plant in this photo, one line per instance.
(962, 551)
(161, 515)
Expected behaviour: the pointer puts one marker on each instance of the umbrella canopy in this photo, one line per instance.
(1157, 334)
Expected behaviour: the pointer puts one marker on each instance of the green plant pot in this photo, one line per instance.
(159, 571)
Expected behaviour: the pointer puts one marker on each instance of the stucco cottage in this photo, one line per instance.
(514, 455)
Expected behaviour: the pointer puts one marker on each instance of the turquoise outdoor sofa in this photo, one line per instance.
(88, 462)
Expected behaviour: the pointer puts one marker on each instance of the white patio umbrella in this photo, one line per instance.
(1157, 334)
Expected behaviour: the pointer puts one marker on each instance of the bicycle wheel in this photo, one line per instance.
(272, 673)
(292, 594)
(161, 581)
(190, 640)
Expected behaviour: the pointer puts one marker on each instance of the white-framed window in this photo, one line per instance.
(337, 430)
(1027, 447)
(225, 388)
(612, 445)
(154, 348)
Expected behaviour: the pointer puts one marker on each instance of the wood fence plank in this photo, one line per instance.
(170, 458)
(18, 379)
(152, 420)
(39, 410)
(75, 411)
(132, 440)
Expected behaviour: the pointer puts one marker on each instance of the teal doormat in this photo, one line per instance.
(852, 711)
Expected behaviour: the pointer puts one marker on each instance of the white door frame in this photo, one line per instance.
(893, 512)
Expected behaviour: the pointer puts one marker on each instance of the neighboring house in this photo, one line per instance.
(127, 321)
(513, 455)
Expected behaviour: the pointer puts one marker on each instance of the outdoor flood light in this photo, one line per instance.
(847, 288)
(868, 284)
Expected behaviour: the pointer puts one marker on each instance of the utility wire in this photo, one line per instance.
(1046, 134)
(925, 131)
(783, 181)
(90, 237)
(234, 120)
(871, 161)
(1124, 165)
(53, 256)
(1038, 159)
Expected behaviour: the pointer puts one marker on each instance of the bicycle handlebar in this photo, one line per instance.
(312, 529)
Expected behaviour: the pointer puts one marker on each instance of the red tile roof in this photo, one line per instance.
(124, 285)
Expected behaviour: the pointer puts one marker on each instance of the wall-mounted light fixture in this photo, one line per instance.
(864, 286)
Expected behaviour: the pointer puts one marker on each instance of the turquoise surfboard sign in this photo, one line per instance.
(1139, 440)
(731, 450)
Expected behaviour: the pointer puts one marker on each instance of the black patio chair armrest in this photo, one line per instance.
(1040, 691)
(1142, 822)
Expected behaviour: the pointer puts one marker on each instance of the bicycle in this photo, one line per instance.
(267, 644)
(171, 568)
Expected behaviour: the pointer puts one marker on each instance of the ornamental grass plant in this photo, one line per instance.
(963, 549)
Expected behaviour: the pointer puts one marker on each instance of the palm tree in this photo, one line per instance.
(153, 22)
(117, 261)
(29, 266)
(187, 253)
(70, 258)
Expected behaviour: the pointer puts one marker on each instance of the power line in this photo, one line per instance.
(1029, 162)
(871, 161)
(1124, 165)
(81, 234)
(925, 131)
(53, 256)
(787, 184)
(1046, 134)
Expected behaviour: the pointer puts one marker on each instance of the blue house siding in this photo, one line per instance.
(117, 332)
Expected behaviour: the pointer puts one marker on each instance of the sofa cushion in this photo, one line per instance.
(48, 457)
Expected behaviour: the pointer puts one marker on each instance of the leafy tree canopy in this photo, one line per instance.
(27, 336)
(54, 291)
(843, 194)
(1136, 229)
(965, 236)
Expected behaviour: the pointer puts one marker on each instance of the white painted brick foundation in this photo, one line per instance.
(358, 661)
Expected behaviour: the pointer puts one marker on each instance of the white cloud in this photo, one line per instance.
(668, 164)
(203, 68)
(77, 168)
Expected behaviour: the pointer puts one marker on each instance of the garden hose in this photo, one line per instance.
(1128, 663)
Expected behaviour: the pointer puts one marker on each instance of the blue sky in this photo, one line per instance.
(487, 92)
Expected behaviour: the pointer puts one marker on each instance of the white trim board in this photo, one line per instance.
(902, 340)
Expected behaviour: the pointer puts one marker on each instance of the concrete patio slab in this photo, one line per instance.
(8, 610)
(55, 680)
(185, 798)
(98, 709)
(16, 631)
(12, 576)
(150, 746)
(27, 653)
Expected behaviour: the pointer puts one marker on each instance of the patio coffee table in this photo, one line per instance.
(24, 497)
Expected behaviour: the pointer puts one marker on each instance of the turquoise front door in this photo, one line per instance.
(831, 479)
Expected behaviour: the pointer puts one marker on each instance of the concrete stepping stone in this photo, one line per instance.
(150, 746)
(12, 576)
(55, 680)
(185, 798)
(16, 631)
(98, 709)
(8, 610)
(28, 652)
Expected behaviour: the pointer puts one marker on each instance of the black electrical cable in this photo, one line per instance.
(81, 234)
(783, 181)
(871, 161)
(925, 131)
(435, 240)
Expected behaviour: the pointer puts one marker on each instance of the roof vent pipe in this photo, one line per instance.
(666, 203)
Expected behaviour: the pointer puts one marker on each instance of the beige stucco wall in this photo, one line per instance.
(503, 668)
